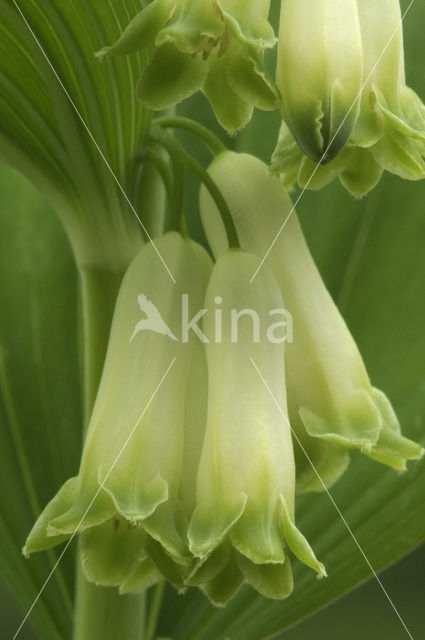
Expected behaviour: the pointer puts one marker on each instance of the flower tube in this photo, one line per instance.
(131, 467)
(246, 481)
(390, 131)
(332, 403)
(319, 73)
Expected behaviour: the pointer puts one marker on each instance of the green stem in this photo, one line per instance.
(176, 206)
(187, 124)
(105, 615)
(99, 293)
(162, 168)
(101, 612)
(177, 151)
(154, 610)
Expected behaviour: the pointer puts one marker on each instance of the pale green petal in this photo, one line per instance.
(271, 580)
(38, 540)
(225, 585)
(287, 157)
(318, 463)
(212, 521)
(208, 568)
(401, 121)
(142, 30)
(131, 504)
(194, 27)
(298, 543)
(247, 20)
(399, 155)
(231, 111)
(144, 576)
(354, 423)
(392, 448)
(250, 80)
(170, 77)
(173, 571)
(168, 526)
(87, 511)
(316, 176)
(111, 552)
(361, 173)
(237, 82)
(256, 536)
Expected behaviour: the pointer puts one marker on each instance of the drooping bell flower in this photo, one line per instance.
(390, 131)
(125, 499)
(319, 73)
(213, 45)
(332, 404)
(244, 515)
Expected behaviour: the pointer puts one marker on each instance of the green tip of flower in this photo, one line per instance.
(210, 525)
(273, 581)
(225, 585)
(144, 576)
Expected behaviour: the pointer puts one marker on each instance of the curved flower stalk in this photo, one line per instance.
(333, 406)
(390, 131)
(244, 515)
(212, 45)
(125, 498)
(319, 73)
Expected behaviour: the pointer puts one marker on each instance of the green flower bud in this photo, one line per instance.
(392, 122)
(390, 130)
(246, 480)
(134, 449)
(319, 73)
(214, 45)
(332, 405)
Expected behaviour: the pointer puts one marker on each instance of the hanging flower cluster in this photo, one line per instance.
(348, 112)
(201, 433)
(214, 45)
(177, 479)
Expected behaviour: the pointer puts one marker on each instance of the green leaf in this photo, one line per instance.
(48, 67)
(40, 411)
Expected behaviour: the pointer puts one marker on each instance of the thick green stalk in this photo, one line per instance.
(99, 294)
(101, 613)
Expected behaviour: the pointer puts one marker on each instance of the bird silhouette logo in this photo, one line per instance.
(153, 321)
